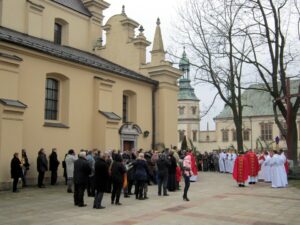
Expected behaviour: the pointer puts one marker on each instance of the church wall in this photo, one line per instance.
(78, 106)
(40, 23)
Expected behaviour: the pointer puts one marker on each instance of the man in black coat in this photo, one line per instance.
(16, 170)
(42, 167)
(163, 165)
(82, 170)
(100, 179)
(54, 163)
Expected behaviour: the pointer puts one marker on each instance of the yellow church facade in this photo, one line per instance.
(62, 86)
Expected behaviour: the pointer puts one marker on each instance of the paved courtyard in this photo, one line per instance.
(215, 199)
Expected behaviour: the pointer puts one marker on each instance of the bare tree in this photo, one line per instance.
(275, 59)
(211, 30)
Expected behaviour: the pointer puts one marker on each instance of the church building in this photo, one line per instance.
(68, 81)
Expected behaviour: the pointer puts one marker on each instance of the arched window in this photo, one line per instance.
(195, 135)
(57, 99)
(181, 135)
(61, 32)
(57, 33)
(129, 106)
(181, 110)
(52, 97)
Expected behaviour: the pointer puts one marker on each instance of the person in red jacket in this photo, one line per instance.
(253, 166)
(240, 169)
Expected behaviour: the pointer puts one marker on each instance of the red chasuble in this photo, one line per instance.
(193, 165)
(240, 169)
(252, 164)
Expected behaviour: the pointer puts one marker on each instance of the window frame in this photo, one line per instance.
(225, 135)
(266, 131)
(52, 96)
(125, 108)
(58, 33)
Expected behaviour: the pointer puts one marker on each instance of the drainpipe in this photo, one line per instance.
(153, 116)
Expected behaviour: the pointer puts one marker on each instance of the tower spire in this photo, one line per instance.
(184, 65)
(158, 52)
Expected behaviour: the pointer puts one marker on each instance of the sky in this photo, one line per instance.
(146, 13)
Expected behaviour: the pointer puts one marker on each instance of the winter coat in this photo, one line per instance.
(53, 161)
(141, 170)
(70, 159)
(82, 170)
(101, 175)
(15, 168)
(42, 163)
(163, 165)
(117, 171)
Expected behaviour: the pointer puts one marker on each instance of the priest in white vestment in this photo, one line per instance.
(278, 171)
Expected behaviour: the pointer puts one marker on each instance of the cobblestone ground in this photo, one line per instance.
(215, 199)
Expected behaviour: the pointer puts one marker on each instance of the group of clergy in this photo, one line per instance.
(270, 167)
(226, 161)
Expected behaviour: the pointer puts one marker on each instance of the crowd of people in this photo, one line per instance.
(112, 172)
(117, 172)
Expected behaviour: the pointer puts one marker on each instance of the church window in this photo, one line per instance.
(225, 135)
(246, 134)
(194, 110)
(181, 135)
(125, 108)
(61, 32)
(57, 33)
(194, 135)
(51, 101)
(181, 110)
(266, 131)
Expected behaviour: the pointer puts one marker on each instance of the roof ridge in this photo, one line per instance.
(69, 53)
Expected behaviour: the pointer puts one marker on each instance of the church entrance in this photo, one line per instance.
(129, 134)
(128, 145)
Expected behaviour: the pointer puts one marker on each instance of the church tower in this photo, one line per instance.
(188, 104)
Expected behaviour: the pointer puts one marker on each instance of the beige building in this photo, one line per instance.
(62, 86)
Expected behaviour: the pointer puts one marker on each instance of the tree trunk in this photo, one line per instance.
(239, 134)
(293, 142)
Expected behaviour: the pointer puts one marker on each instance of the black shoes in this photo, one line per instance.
(118, 203)
(100, 207)
(82, 205)
(186, 198)
(166, 194)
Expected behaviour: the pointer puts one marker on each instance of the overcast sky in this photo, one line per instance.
(146, 13)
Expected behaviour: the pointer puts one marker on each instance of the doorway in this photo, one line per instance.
(128, 145)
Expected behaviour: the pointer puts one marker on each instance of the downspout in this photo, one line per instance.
(154, 89)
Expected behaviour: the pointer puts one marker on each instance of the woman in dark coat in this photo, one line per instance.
(16, 170)
(141, 176)
(172, 173)
(100, 180)
(54, 163)
(117, 175)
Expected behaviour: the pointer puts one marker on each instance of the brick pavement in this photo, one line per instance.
(215, 199)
